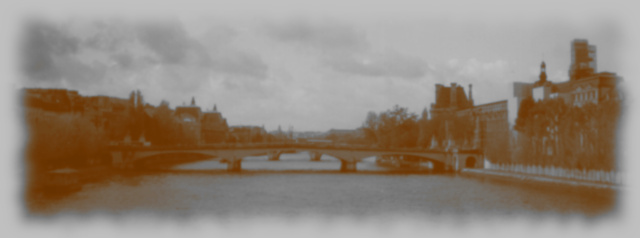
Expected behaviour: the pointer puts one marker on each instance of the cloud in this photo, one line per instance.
(387, 64)
(227, 58)
(104, 56)
(472, 69)
(171, 42)
(345, 49)
(322, 36)
(79, 73)
(124, 60)
(219, 36)
(240, 63)
(43, 42)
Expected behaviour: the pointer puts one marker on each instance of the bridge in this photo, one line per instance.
(127, 156)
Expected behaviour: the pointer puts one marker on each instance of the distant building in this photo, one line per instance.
(315, 141)
(110, 113)
(57, 100)
(248, 134)
(308, 134)
(206, 127)
(341, 132)
(122, 120)
(345, 136)
(190, 113)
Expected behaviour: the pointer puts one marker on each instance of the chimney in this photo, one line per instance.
(453, 102)
(470, 95)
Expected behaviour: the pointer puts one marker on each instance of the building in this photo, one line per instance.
(214, 127)
(584, 84)
(56, 100)
(190, 118)
(190, 113)
(208, 127)
(450, 99)
(104, 108)
(109, 114)
(468, 126)
(539, 90)
(491, 130)
(592, 89)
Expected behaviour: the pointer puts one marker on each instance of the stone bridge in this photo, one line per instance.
(127, 156)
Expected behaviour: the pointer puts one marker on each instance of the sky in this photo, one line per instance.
(311, 72)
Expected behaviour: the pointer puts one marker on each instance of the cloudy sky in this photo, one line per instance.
(309, 71)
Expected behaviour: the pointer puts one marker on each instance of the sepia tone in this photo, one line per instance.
(98, 152)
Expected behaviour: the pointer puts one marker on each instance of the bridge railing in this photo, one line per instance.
(279, 145)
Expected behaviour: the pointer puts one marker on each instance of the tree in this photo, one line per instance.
(61, 140)
(393, 128)
(523, 113)
(554, 133)
(424, 136)
(369, 127)
(138, 116)
(165, 128)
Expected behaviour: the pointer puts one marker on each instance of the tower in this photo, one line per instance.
(583, 59)
(543, 73)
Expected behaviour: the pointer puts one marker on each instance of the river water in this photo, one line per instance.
(295, 186)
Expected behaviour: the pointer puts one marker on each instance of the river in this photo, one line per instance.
(295, 186)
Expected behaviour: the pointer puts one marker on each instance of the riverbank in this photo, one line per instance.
(522, 177)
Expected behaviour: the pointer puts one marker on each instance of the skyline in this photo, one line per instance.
(283, 71)
(561, 22)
